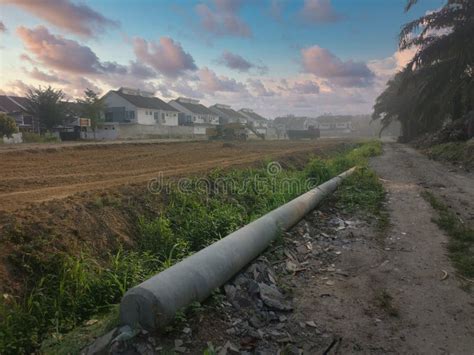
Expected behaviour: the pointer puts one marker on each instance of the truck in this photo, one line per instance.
(310, 133)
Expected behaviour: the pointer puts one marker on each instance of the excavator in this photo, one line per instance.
(232, 131)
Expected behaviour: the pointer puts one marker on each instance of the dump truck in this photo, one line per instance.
(232, 132)
(310, 133)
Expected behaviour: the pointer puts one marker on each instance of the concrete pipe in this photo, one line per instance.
(154, 302)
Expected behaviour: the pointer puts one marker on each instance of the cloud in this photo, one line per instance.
(49, 78)
(3, 29)
(324, 64)
(385, 68)
(58, 52)
(16, 88)
(260, 88)
(140, 70)
(224, 19)
(167, 56)
(306, 87)
(318, 12)
(209, 82)
(236, 62)
(79, 19)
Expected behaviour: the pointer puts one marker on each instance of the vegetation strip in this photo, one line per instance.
(66, 291)
(461, 242)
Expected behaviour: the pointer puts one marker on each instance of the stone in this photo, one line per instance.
(273, 298)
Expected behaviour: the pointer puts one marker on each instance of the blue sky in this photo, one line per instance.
(303, 56)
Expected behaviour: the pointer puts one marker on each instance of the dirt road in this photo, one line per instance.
(36, 175)
(356, 290)
(395, 300)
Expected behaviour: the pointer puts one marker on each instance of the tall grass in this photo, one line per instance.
(68, 290)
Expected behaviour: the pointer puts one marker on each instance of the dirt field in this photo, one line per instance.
(40, 174)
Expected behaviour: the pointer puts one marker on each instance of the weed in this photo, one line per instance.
(385, 301)
(461, 242)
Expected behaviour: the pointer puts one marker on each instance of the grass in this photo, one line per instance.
(461, 241)
(459, 153)
(64, 291)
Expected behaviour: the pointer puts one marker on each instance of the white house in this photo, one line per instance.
(16, 107)
(193, 112)
(140, 107)
(260, 123)
(227, 114)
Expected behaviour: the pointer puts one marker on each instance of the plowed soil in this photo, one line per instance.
(42, 174)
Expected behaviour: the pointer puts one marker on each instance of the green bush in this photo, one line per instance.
(30, 137)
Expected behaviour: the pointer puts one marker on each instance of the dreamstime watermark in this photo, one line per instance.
(273, 180)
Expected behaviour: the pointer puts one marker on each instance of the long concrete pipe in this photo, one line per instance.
(154, 302)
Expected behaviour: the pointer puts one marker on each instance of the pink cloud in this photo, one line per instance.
(58, 52)
(318, 11)
(224, 19)
(324, 64)
(75, 18)
(209, 82)
(167, 56)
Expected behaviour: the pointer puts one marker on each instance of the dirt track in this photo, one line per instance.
(36, 175)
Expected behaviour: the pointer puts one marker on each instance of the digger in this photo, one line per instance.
(232, 132)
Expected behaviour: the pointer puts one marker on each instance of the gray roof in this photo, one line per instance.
(196, 108)
(10, 104)
(146, 102)
(226, 112)
(253, 115)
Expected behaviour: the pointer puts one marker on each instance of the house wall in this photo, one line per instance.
(112, 100)
(145, 116)
(199, 130)
(137, 131)
(15, 139)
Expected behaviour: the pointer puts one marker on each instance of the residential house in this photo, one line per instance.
(139, 107)
(16, 107)
(334, 125)
(260, 123)
(227, 114)
(193, 112)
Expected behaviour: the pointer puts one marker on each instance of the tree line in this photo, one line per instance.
(50, 108)
(437, 86)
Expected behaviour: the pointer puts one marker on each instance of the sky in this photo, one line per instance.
(277, 57)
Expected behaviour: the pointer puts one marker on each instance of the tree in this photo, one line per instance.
(92, 107)
(7, 125)
(439, 78)
(48, 105)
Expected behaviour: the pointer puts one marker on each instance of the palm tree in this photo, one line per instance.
(440, 75)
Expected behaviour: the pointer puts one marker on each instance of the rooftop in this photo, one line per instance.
(194, 106)
(252, 114)
(146, 101)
